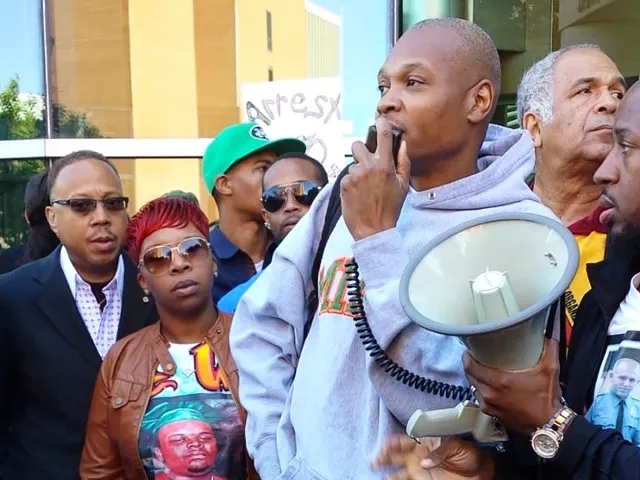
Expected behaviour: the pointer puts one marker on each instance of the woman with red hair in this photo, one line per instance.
(165, 401)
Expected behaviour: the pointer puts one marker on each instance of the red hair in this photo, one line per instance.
(167, 212)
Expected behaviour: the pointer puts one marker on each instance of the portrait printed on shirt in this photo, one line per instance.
(616, 402)
(192, 429)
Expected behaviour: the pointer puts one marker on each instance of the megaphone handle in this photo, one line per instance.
(356, 304)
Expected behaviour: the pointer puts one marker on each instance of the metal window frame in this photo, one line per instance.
(117, 147)
(395, 21)
(269, 31)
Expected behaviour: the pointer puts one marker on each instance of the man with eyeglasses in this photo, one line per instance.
(290, 186)
(59, 317)
(232, 167)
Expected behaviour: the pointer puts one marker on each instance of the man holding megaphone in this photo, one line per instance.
(592, 435)
(319, 406)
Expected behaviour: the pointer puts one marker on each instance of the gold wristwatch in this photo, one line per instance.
(546, 440)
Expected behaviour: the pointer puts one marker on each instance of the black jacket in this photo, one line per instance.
(587, 452)
(48, 366)
(12, 257)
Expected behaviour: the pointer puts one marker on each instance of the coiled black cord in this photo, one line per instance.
(371, 345)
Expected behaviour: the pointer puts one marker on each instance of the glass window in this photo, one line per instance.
(612, 25)
(144, 179)
(200, 66)
(21, 70)
(526, 31)
(326, 87)
(90, 69)
(14, 175)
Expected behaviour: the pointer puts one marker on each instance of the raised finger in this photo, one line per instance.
(361, 153)
(403, 167)
(384, 152)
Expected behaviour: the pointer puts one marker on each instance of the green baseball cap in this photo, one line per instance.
(237, 142)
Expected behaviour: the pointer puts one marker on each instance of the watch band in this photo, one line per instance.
(561, 420)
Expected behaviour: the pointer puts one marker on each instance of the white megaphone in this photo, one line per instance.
(493, 282)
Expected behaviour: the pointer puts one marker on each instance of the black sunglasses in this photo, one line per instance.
(274, 198)
(158, 260)
(87, 205)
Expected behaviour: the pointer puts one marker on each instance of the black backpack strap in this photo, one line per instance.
(334, 212)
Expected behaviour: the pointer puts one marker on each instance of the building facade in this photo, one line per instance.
(324, 30)
(150, 82)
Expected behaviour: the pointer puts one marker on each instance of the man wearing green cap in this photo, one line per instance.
(233, 166)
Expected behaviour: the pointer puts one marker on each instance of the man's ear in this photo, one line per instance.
(532, 123)
(158, 453)
(265, 216)
(482, 96)
(52, 219)
(223, 185)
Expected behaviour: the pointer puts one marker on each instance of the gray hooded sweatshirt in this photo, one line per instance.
(320, 408)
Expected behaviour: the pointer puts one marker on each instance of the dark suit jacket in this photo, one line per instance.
(48, 366)
(12, 258)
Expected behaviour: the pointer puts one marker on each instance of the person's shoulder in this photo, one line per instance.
(15, 280)
(11, 258)
(229, 302)
(601, 397)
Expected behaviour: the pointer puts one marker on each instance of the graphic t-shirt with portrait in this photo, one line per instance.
(192, 429)
(616, 401)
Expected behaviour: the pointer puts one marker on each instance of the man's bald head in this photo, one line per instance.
(439, 87)
(474, 47)
(628, 364)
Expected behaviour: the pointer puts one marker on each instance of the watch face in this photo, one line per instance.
(545, 444)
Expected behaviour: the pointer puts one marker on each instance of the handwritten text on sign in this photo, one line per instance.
(309, 109)
(321, 107)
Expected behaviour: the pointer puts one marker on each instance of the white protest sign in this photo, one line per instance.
(309, 109)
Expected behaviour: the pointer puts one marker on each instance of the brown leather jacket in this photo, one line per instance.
(121, 396)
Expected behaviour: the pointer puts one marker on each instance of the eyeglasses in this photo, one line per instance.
(274, 198)
(157, 260)
(88, 205)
